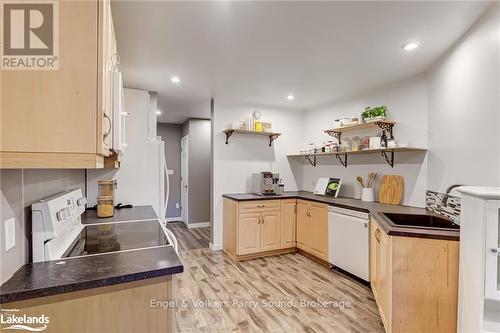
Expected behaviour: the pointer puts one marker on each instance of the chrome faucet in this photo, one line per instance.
(444, 201)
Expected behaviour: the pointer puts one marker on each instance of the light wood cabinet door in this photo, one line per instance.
(373, 253)
(382, 283)
(319, 230)
(288, 222)
(248, 233)
(303, 236)
(270, 231)
(54, 111)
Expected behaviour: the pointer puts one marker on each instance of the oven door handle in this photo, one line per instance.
(172, 239)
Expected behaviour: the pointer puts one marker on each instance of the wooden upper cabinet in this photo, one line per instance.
(55, 118)
(319, 230)
(288, 221)
(270, 231)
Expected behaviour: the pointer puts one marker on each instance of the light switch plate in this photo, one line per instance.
(170, 172)
(10, 234)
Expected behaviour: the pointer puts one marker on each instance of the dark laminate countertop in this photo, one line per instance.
(121, 215)
(373, 208)
(50, 278)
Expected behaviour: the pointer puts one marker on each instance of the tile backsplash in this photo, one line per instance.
(433, 202)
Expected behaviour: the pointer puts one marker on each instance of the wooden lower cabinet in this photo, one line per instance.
(312, 228)
(414, 281)
(270, 231)
(319, 230)
(248, 233)
(288, 222)
(303, 236)
(252, 228)
(125, 307)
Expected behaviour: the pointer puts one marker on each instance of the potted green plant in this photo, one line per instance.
(374, 113)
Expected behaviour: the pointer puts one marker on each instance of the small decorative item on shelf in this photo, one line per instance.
(374, 114)
(266, 127)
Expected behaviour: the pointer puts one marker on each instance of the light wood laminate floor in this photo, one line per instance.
(213, 277)
(190, 239)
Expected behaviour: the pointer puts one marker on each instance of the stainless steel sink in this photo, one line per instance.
(420, 221)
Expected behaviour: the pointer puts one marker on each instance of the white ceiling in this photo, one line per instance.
(259, 52)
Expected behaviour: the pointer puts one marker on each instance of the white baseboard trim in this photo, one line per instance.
(173, 219)
(199, 225)
(216, 247)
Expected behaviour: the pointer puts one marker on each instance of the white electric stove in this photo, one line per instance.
(58, 232)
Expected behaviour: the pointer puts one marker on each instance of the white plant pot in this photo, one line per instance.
(367, 194)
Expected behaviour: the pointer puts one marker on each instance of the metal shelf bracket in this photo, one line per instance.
(342, 161)
(312, 160)
(386, 126)
(335, 134)
(390, 160)
(228, 135)
(272, 137)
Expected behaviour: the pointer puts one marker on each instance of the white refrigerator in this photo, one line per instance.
(142, 178)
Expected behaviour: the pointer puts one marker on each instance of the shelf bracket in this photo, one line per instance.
(312, 161)
(342, 161)
(335, 134)
(273, 137)
(390, 160)
(386, 126)
(228, 135)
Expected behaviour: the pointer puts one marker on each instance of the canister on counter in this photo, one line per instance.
(105, 206)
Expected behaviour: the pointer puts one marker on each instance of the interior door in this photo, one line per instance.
(184, 179)
(270, 231)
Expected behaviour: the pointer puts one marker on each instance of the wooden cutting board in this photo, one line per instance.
(391, 189)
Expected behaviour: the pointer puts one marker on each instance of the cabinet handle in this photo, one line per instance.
(109, 130)
(377, 235)
(495, 251)
(261, 206)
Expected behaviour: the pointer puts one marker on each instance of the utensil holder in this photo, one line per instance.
(367, 194)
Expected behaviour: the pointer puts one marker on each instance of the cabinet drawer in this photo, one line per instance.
(259, 206)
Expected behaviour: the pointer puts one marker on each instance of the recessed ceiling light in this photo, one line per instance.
(175, 79)
(290, 97)
(410, 46)
(158, 112)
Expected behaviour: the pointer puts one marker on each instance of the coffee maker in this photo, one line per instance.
(265, 183)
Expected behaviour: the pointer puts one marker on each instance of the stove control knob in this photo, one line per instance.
(64, 214)
(81, 202)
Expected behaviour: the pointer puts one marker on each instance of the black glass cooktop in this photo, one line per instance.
(112, 237)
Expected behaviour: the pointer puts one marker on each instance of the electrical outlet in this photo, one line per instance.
(170, 172)
(10, 234)
(177, 205)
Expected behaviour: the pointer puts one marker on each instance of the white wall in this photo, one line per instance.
(407, 104)
(245, 154)
(18, 190)
(464, 109)
(137, 177)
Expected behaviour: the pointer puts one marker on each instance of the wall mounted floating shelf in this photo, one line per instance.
(383, 124)
(272, 136)
(387, 154)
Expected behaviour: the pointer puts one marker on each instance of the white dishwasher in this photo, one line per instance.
(348, 241)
